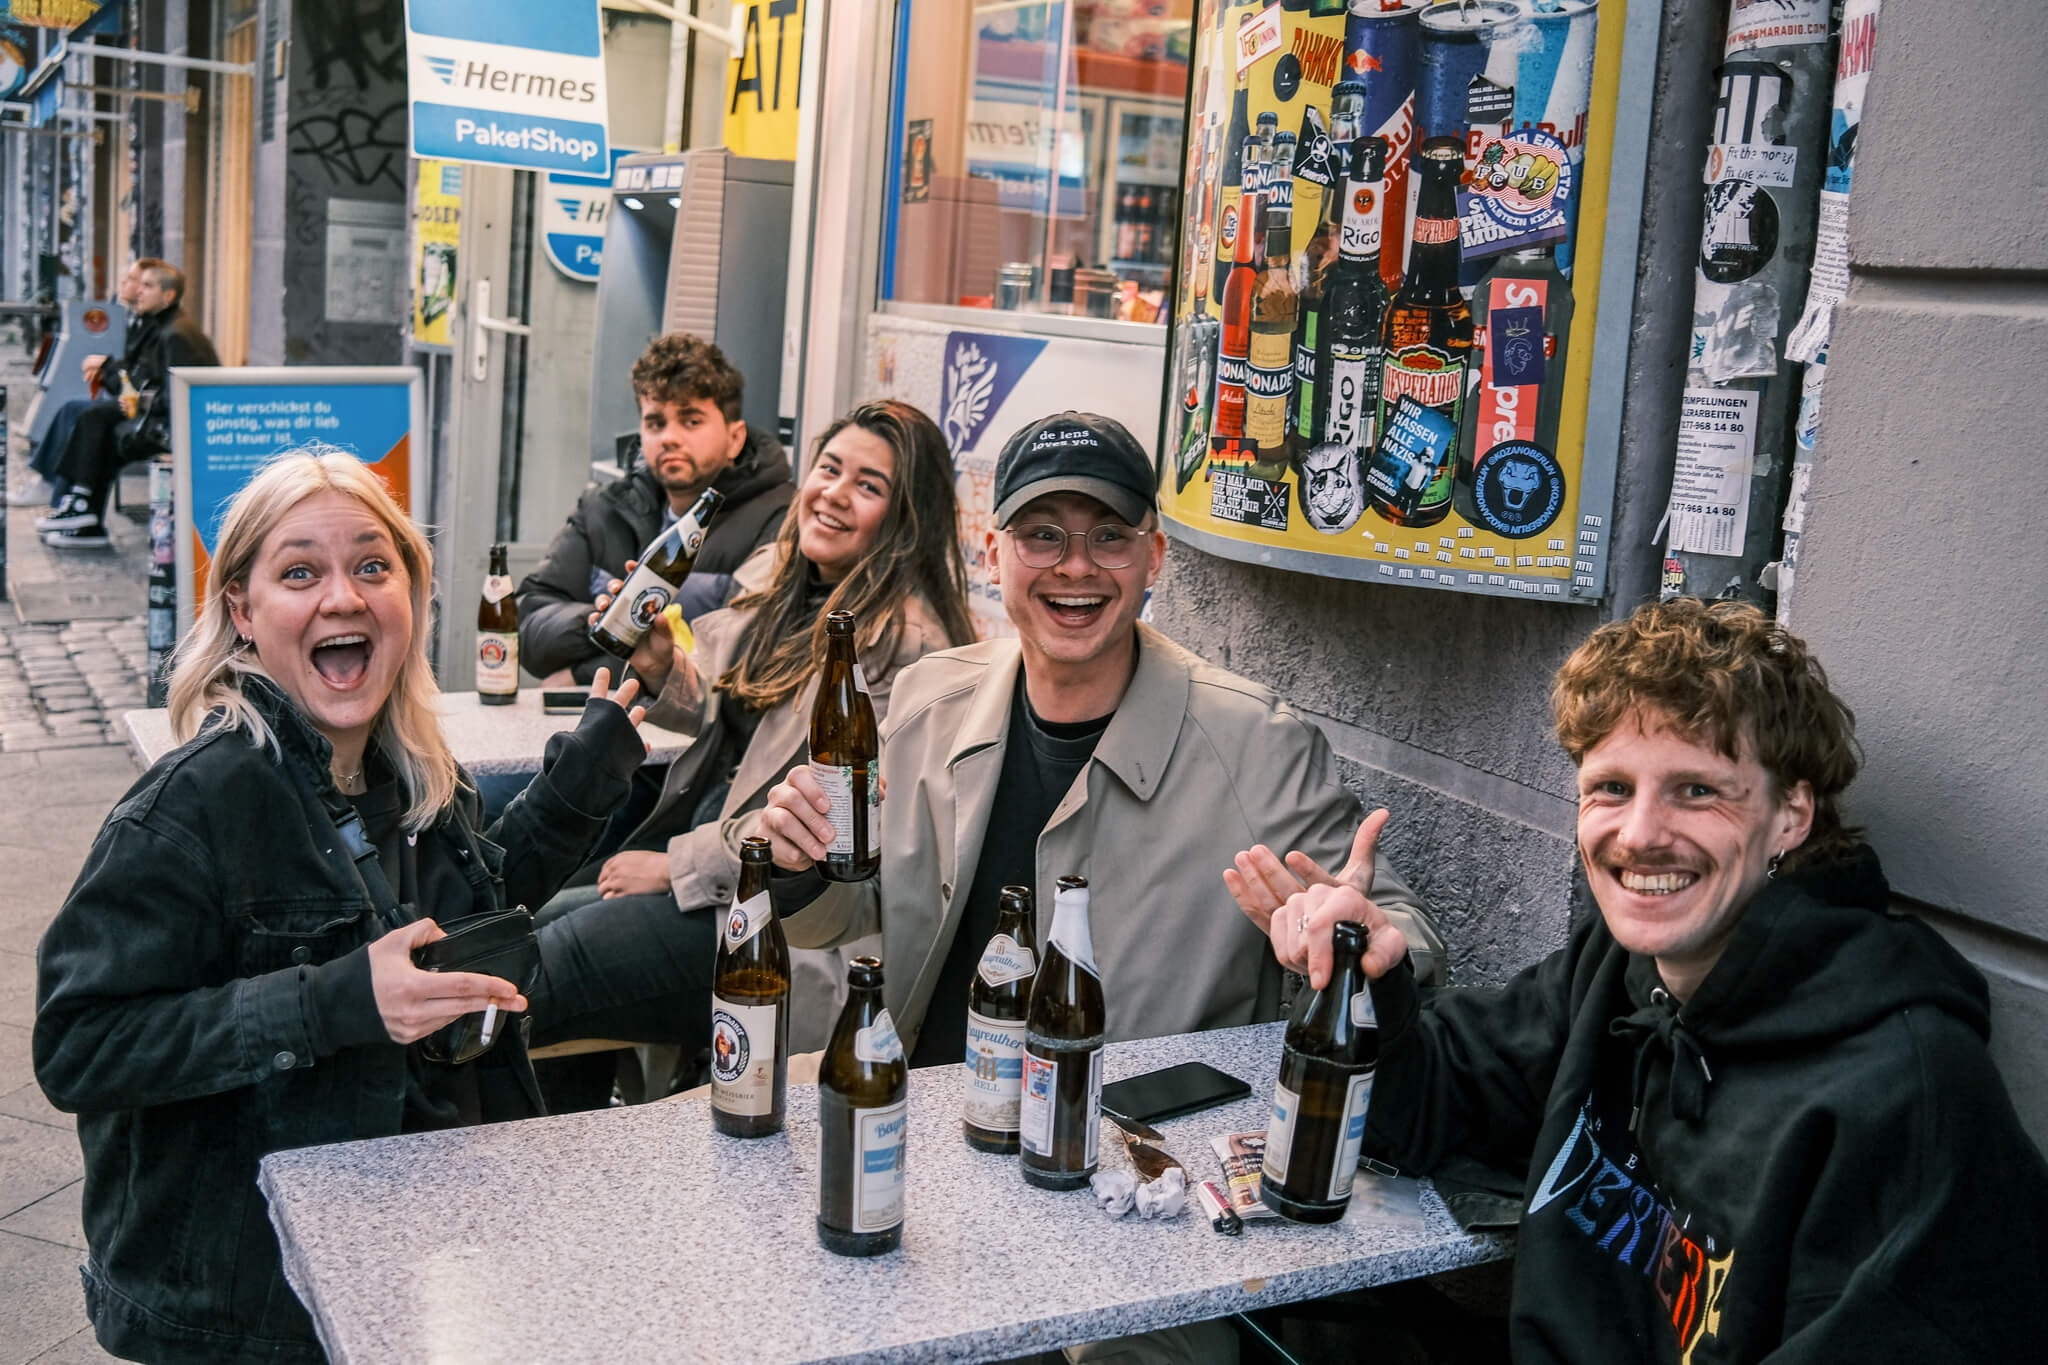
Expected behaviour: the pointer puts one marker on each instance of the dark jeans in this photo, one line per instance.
(50, 451)
(634, 968)
(92, 458)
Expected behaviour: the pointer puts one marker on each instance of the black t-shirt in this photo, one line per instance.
(1039, 767)
(436, 1095)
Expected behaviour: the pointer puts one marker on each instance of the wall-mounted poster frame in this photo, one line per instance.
(226, 423)
(1470, 457)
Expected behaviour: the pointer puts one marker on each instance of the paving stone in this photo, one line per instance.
(45, 1304)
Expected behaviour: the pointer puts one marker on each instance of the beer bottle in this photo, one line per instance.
(1271, 383)
(1348, 365)
(1060, 1111)
(1234, 341)
(863, 1115)
(846, 757)
(750, 1007)
(663, 566)
(998, 1001)
(497, 636)
(1427, 347)
(1319, 1102)
(1230, 187)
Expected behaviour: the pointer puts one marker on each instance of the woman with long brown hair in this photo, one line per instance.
(627, 950)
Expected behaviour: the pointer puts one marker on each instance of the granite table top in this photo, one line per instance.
(490, 741)
(641, 1234)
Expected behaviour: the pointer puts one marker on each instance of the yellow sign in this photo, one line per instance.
(53, 13)
(436, 228)
(761, 81)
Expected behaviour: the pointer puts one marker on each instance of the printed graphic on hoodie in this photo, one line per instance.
(1612, 1201)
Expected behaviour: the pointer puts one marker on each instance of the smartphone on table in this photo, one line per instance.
(1172, 1091)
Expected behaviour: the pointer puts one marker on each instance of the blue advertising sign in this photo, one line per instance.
(508, 85)
(572, 217)
(228, 423)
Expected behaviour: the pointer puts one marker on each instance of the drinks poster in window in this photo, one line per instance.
(1435, 428)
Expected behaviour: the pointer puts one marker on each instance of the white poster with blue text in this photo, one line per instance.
(508, 85)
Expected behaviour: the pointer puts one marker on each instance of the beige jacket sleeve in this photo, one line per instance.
(704, 863)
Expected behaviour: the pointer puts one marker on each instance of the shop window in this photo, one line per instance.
(1036, 157)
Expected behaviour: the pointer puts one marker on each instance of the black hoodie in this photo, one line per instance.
(613, 522)
(1811, 1159)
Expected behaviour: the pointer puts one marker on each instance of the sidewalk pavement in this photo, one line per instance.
(63, 765)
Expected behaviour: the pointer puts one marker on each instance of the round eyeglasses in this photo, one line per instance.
(1042, 544)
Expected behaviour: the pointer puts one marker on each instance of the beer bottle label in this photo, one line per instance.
(742, 1057)
(497, 662)
(643, 598)
(1005, 960)
(1280, 1135)
(1357, 1097)
(1038, 1101)
(995, 1072)
(1269, 385)
(878, 1042)
(1349, 420)
(878, 1166)
(497, 587)
(746, 920)
(837, 781)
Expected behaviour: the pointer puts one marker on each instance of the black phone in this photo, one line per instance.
(1172, 1091)
(563, 703)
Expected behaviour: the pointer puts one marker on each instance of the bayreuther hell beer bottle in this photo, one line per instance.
(663, 566)
(846, 757)
(998, 1004)
(863, 1115)
(1319, 1103)
(1427, 346)
(497, 636)
(750, 1007)
(1234, 340)
(1060, 1114)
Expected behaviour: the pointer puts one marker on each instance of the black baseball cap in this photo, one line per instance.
(1075, 452)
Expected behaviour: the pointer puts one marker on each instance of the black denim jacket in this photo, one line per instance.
(203, 998)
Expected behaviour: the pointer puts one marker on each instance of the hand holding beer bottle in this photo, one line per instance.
(651, 586)
(1296, 903)
(661, 650)
(1319, 1102)
(846, 758)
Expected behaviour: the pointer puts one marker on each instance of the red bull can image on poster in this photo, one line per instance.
(1382, 48)
(1465, 84)
(1554, 89)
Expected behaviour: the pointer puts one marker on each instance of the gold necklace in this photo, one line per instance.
(347, 780)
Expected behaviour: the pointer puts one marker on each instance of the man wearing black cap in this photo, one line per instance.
(1090, 744)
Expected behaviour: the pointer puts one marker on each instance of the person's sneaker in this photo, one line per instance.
(69, 515)
(92, 536)
(37, 492)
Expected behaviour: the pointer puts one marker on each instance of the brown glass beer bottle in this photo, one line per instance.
(863, 1115)
(652, 585)
(750, 1007)
(998, 1003)
(497, 636)
(1060, 1109)
(1319, 1103)
(846, 757)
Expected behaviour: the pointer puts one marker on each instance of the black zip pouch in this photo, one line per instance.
(501, 944)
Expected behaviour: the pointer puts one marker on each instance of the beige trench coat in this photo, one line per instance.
(1197, 764)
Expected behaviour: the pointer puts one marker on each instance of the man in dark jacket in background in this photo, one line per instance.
(93, 458)
(692, 437)
(1750, 1105)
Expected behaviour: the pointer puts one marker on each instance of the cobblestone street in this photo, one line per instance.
(63, 763)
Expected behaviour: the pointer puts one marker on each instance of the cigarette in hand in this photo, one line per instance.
(490, 1022)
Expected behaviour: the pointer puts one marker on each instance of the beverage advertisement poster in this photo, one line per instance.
(227, 423)
(1385, 300)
